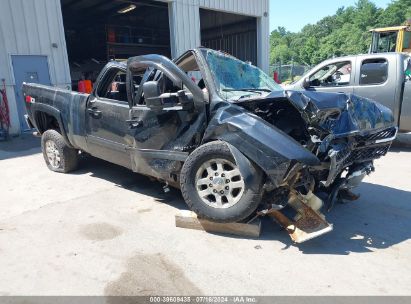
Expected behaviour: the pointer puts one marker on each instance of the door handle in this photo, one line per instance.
(93, 112)
(135, 123)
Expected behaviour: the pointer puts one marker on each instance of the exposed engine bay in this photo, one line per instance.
(345, 159)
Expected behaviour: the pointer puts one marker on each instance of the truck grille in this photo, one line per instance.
(365, 154)
(370, 147)
(381, 135)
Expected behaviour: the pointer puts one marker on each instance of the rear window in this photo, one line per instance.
(374, 71)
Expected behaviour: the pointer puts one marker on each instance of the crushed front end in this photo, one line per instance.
(345, 132)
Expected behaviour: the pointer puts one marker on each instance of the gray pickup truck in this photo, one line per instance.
(385, 78)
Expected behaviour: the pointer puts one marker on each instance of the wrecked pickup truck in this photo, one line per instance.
(221, 130)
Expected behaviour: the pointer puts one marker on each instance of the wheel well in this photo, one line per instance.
(46, 122)
(265, 176)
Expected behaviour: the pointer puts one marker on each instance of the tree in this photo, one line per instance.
(344, 33)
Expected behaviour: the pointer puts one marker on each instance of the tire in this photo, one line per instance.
(65, 158)
(237, 204)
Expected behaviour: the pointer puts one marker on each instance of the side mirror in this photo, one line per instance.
(151, 90)
(186, 100)
(306, 83)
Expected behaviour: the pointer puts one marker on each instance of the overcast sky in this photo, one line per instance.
(294, 14)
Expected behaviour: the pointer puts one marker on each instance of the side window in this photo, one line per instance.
(113, 85)
(332, 75)
(407, 41)
(190, 67)
(387, 42)
(374, 71)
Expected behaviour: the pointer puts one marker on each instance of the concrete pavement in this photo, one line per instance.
(104, 230)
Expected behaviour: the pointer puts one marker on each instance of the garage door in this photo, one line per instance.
(234, 34)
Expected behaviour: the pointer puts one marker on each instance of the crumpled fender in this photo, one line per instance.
(243, 163)
(267, 146)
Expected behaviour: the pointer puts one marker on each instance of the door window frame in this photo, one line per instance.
(350, 83)
(100, 83)
(372, 84)
(169, 69)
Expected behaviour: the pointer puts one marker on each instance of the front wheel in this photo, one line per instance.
(213, 186)
(58, 155)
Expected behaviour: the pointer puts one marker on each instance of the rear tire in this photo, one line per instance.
(58, 155)
(213, 187)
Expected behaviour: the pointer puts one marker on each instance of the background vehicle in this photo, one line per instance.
(391, 39)
(385, 78)
(219, 128)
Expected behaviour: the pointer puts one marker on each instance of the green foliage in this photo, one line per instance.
(344, 33)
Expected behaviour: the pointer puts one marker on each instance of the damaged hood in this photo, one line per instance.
(340, 113)
(337, 113)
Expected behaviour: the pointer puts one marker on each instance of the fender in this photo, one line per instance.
(40, 107)
(267, 146)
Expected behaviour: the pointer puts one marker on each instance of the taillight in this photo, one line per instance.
(30, 99)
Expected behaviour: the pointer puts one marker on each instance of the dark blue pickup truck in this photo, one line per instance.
(220, 129)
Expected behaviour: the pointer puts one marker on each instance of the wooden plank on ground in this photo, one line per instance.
(188, 219)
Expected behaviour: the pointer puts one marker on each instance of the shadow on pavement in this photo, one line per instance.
(380, 219)
(24, 145)
(125, 178)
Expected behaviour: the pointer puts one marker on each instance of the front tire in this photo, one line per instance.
(214, 188)
(58, 155)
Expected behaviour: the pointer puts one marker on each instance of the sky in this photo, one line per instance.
(295, 14)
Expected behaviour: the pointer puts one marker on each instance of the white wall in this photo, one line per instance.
(30, 27)
(185, 23)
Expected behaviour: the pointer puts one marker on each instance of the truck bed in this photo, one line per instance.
(69, 107)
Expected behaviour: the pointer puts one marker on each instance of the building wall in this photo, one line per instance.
(30, 27)
(185, 23)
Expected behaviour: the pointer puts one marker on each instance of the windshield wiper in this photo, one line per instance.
(256, 90)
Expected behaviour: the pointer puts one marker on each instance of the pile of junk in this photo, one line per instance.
(4, 113)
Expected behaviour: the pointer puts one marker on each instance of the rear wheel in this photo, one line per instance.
(213, 186)
(58, 156)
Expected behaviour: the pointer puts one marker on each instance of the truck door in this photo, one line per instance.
(378, 81)
(107, 113)
(163, 129)
(336, 77)
(405, 119)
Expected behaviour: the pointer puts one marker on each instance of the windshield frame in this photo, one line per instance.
(250, 92)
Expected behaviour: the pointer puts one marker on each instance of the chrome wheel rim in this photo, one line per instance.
(219, 183)
(53, 154)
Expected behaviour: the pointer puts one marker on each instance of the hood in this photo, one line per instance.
(341, 113)
(337, 113)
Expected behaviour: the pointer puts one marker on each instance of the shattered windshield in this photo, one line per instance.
(236, 79)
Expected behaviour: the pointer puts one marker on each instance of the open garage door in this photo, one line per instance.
(234, 34)
(99, 30)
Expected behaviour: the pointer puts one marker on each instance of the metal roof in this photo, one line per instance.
(390, 29)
